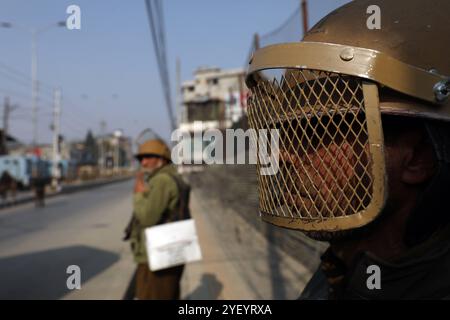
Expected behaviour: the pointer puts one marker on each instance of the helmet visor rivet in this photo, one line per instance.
(442, 90)
(347, 54)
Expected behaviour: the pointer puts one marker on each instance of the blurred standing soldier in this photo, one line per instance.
(7, 183)
(39, 181)
(363, 117)
(160, 196)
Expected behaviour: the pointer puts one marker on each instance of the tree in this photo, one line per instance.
(90, 153)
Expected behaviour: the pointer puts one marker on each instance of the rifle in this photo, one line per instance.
(129, 228)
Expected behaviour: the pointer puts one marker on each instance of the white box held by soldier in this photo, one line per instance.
(172, 244)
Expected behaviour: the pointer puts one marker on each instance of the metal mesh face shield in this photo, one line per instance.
(323, 100)
(331, 168)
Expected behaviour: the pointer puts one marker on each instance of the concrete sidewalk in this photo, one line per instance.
(238, 262)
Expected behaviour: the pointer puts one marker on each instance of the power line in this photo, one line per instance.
(293, 16)
(21, 117)
(75, 115)
(45, 97)
(15, 71)
(21, 82)
(74, 128)
(46, 104)
(43, 86)
(15, 93)
(156, 23)
(72, 120)
(12, 78)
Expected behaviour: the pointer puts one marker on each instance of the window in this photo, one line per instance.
(213, 81)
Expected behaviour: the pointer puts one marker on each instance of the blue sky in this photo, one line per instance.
(107, 70)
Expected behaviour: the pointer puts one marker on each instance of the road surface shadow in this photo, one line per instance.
(209, 288)
(42, 275)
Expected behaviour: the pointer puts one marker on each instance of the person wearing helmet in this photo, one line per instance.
(160, 196)
(364, 124)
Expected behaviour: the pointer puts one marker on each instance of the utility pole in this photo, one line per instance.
(256, 41)
(178, 96)
(34, 86)
(6, 111)
(34, 82)
(304, 6)
(117, 136)
(56, 152)
(102, 147)
(156, 22)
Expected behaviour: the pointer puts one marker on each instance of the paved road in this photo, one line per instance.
(84, 229)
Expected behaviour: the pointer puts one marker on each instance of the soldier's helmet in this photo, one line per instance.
(153, 148)
(328, 94)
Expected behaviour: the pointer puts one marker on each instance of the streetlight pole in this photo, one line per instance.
(117, 135)
(56, 174)
(102, 147)
(34, 85)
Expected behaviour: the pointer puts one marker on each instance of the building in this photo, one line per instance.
(104, 154)
(112, 147)
(8, 143)
(214, 99)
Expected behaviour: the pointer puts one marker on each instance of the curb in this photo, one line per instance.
(65, 190)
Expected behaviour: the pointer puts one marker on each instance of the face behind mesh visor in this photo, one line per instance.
(327, 177)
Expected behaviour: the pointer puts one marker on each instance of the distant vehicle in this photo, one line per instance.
(21, 168)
